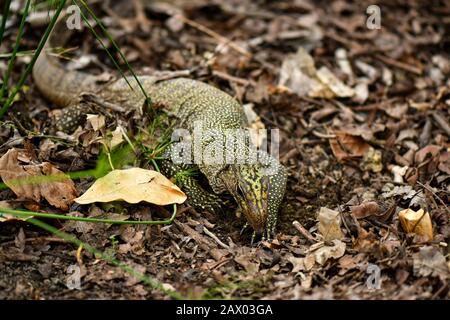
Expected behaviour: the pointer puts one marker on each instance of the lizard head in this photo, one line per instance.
(249, 186)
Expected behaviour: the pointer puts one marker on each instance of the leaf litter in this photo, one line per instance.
(363, 118)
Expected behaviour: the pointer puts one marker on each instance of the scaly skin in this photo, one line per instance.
(186, 101)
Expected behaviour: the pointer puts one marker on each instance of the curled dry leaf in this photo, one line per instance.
(398, 172)
(418, 222)
(329, 224)
(334, 84)
(116, 137)
(365, 209)
(133, 185)
(97, 121)
(19, 178)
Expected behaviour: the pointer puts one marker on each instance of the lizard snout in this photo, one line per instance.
(252, 197)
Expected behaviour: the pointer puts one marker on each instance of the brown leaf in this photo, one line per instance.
(422, 153)
(348, 262)
(365, 209)
(17, 177)
(348, 146)
(444, 162)
(430, 261)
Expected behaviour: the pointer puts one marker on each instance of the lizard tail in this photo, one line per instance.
(58, 84)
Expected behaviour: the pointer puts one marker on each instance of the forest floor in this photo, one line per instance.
(364, 117)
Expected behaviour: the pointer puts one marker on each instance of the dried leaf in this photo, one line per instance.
(299, 74)
(349, 262)
(343, 63)
(425, 151)
(302, 264)
(329, 224)
(418, 222)
(430, 261)
(117, 137)
(59, 193)
(97, 121)
(397, 111)
(133, 185)
(334, 84)
(372, 160)
(335, 251)
(348, 146)
(246, 261)
(406, 192)
(444, 162)
(361, 91)
(365, 209)
(398, 172)
(421, 105)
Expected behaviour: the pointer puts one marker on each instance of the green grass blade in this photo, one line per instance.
(153, 283)
(26, 214)
(100, 24)
(6, 7)
(29, 68)
(12, 59)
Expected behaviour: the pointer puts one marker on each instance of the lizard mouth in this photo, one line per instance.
(254, 209)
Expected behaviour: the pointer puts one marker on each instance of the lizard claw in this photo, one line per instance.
(246, 225)
(253, 238)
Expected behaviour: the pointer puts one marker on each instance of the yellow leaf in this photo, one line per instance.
(418, 222)
(133, 185)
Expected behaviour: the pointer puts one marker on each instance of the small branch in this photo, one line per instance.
(212, 235)
(303, 231)
(231, 78)
(441, 122)
(400, 65)
(434, 194)
(221, 39)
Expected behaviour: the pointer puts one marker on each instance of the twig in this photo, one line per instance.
(400, 65)
(167, 75)
(221, 39)
(434, 194)
(323, 135)
(36, 239)
(89, 97)
(212, 235)
(231, 78)
(441, 122)
(303, 231)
